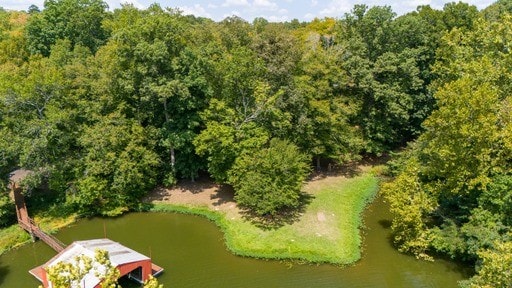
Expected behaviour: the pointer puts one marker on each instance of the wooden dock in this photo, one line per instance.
(28, 223)
(30, 226)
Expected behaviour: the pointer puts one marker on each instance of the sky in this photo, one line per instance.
(272, 10)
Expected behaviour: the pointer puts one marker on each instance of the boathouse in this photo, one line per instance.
(130, 263)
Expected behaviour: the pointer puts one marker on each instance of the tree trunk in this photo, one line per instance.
(173, 158)
(167, 117)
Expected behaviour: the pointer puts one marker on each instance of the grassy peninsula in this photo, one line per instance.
(328, 230)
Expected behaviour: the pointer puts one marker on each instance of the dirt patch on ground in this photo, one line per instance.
(203, 192)
(320, 216)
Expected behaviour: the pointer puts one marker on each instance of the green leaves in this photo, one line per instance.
(119, 166)
(411, 204)
(270, 179)
(76, 20)
(70, 274)
(387, 66)
(461, 137)
(494, 270)
(460, 166)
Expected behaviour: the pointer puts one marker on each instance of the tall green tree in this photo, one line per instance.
(119, 166)
(319, 111)
(459, 169)
(387, 81)
(158, 80)
(234, 117)
(269, 180)
(79, 21)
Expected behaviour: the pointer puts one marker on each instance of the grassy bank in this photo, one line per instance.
(13, 236)
(328, 230)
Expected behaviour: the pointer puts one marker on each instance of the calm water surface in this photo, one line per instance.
(191, 250)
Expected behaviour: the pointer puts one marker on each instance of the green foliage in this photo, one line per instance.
(320, 116)
(12, 40)
(234, 119)
(7, 215)
(269, 180)
(76, 20)
(160, 82)
(111, 104)
(460, 166)
(495, 267)
(387, 64)
(119, 166)
(497, 10)
(461, 136)
(411, 205)
(152, 283)
(70, 274)
(459, 15)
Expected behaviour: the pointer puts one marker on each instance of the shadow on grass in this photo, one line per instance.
(283, 217)
(224, 194)
(198, 185)
(350, 170)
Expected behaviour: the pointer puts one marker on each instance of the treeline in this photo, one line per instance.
(103, 106)
(452, 194)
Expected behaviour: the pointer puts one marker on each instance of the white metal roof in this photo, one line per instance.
(118, 255)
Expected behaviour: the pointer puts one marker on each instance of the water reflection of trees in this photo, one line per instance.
(4, 270)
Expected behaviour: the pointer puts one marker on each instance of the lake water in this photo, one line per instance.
(192, 251)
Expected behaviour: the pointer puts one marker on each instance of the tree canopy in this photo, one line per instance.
(105, 105)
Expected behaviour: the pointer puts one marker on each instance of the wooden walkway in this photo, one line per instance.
(30, 226)
(28, 223)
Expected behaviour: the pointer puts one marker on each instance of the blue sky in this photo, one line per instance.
(272, 10)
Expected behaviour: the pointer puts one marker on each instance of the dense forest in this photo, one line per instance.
(103, 106)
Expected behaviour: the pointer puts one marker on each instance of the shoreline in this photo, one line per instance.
(319, 235)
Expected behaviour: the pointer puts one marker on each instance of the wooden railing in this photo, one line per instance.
(28, 223)
(34, 230)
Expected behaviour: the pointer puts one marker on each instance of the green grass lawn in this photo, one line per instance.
(328, 230)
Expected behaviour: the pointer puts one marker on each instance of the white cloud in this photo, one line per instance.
(274, 18)
(233, 13)
(196, 10)
(231, 3)
(265, 4)
(337, 8)
(135, 3)
(309, 16)
(412, 4)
